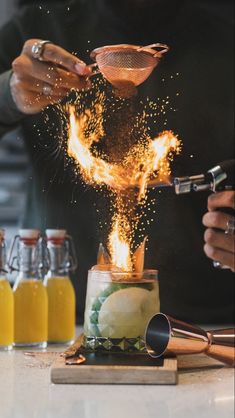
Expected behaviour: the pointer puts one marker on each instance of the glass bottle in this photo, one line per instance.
(6, 301)
(61, 295)
(30, 295)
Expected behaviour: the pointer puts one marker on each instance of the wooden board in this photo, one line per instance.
(116, 369)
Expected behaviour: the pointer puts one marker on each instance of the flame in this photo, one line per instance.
(155, 160)
(135, 172)
(119, 245)
(146, 161)
(76, 146)
(93, 169)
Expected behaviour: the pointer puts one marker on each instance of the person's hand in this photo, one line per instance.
(218, 245)
(36, 83)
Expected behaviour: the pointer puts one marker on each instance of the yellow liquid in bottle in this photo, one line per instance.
(61, 309)
(6, 314)
(31, 312)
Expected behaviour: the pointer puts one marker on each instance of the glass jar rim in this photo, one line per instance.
(124, 277)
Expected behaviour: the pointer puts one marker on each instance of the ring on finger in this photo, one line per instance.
(38, 48)
(230, 227)
(47, 90)
(229, 230)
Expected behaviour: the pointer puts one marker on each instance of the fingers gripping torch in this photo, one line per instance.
(219, 178)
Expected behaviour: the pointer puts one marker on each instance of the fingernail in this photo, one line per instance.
(82, 69)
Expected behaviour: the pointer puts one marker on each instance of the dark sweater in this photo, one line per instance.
(200, 37)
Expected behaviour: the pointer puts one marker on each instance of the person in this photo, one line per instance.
(196, 76)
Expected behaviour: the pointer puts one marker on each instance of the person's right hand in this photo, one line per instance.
(59, 71)
(220, 246)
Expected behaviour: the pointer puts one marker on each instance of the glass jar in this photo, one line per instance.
(6, 301)
(30, 296)
(118, 308)
(61, 295)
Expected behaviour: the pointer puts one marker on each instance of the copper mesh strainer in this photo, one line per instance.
(127, 66)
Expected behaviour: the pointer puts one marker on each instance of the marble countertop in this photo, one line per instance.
(205, 389)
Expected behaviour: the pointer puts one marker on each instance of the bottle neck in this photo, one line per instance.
(2, 258)
(59, 259)
(28, 260)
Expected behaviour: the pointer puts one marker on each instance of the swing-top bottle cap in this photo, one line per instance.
(29, 233)
(55, 233)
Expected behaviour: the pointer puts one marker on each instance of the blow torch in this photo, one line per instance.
(218, 178)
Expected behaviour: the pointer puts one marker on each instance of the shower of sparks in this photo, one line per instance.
(145, 162)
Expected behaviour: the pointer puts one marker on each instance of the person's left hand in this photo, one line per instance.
(218, 245)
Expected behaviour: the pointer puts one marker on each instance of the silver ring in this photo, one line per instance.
(219, 265)
(38, 48)
(47, 90)
(229, 230)
(230, 227)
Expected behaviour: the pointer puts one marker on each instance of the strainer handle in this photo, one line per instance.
(165, 48)
(94, 68)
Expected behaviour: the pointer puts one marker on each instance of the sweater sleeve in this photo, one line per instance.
(10, 116)
(11, 42)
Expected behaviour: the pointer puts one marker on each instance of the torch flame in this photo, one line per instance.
(155, 160)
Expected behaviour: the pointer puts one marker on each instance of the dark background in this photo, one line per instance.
(14, 164)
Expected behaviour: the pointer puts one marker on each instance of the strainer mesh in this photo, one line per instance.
(126, 59)
(124, 67)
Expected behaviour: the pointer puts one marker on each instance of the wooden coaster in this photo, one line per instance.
(116, 369)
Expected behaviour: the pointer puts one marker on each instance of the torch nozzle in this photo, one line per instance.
(190, 183)
(217, 178)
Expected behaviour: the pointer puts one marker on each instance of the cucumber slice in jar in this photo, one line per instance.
(125, 313)
(113, 287)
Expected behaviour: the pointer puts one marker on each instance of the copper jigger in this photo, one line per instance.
(166, 335)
